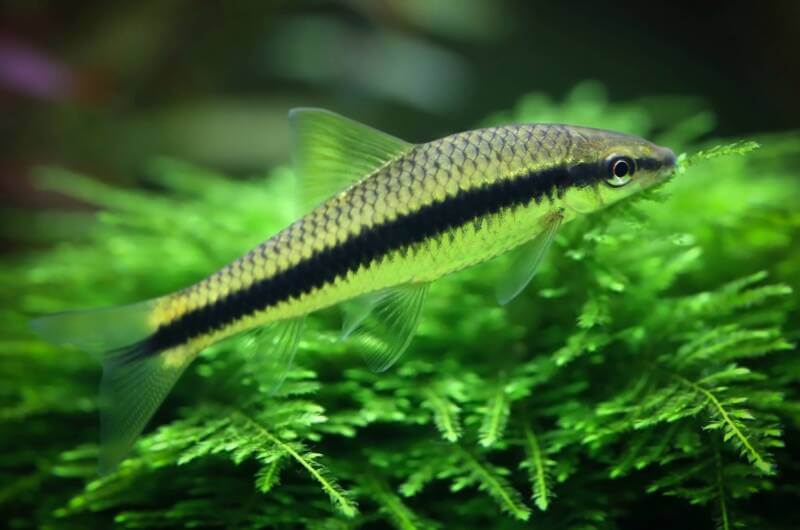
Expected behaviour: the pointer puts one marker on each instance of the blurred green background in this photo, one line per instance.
(102, 87)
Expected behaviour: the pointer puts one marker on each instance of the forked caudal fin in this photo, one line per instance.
(136, 379)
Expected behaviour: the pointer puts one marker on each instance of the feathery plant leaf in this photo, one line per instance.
(490, 479)
(392, 506)
(731, 420)
(741, 147)
(308, 460)
(495, 416)
(539, 469)
(445, 415)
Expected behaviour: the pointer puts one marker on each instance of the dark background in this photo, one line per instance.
(103, 87)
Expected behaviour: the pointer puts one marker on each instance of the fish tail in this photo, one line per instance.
(136, 375)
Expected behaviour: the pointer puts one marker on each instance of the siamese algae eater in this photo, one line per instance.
(384, 219)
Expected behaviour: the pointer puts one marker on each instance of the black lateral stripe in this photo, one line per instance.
(649, 163)
(331, 263)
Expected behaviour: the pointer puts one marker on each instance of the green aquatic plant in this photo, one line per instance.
(648, 375)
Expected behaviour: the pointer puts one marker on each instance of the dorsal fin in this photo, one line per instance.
(331, 152)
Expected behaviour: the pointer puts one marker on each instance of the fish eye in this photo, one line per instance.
(619, 171)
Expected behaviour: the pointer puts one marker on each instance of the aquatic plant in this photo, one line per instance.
(648, 374)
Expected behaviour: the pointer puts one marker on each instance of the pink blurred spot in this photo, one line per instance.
(27, 71)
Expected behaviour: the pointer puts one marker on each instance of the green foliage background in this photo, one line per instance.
(647, 377)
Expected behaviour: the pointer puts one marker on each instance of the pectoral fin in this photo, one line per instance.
(527, 261)
(382, 324)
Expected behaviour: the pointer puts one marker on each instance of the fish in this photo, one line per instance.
(383, 219)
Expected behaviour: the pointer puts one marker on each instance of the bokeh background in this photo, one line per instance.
(102, 87)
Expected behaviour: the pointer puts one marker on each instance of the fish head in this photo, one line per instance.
(608, 166)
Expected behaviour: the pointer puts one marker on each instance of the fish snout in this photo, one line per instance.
(668, 158)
